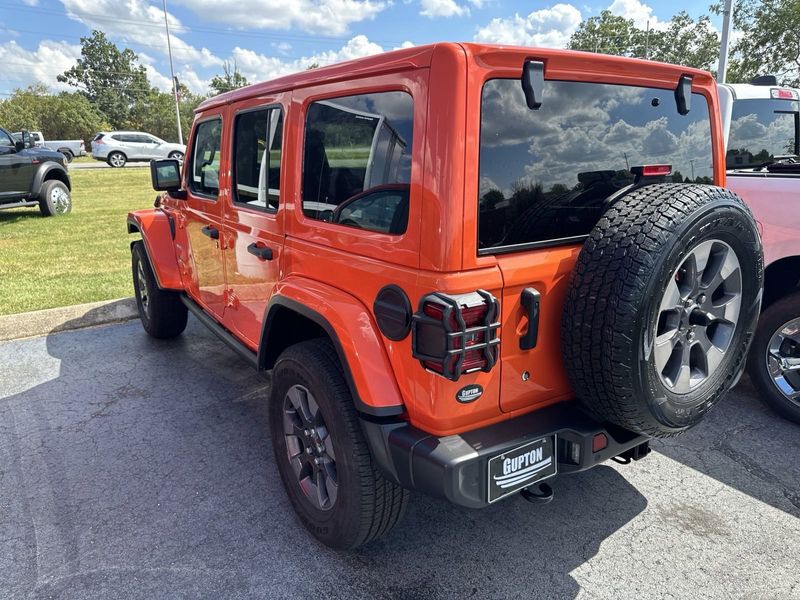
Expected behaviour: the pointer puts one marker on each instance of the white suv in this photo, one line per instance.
(119, 147)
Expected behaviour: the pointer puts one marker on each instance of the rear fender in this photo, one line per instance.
(354, 334)
(157, 232)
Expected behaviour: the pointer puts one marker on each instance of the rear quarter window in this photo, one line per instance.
(545, 174)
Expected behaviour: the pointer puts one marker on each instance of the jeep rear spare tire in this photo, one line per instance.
(662, 306)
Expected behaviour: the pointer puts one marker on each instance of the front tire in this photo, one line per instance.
(323, 459)
(176, 155)
(117, 160)
(774, 362)
(54, 199)
(162, 313)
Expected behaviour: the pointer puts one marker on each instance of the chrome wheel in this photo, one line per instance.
(783, 360)
(141, 285)
(697, 316)
(60, 200)
(309, 448)
(176, 155)
(117, 160)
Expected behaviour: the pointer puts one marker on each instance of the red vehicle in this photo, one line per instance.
(468, 268)
(762, 131)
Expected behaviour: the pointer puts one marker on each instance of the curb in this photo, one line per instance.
(66, 318)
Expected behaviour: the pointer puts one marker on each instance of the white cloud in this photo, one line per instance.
(139, 22)
(258, 67)
(550, 27)
(328, 17)
(640, 12)
(50, 58)
(443, 8)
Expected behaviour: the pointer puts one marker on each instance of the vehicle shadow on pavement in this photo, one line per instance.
(744, 445)
(141, 469)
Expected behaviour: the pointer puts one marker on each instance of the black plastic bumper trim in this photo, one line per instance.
(455, 467)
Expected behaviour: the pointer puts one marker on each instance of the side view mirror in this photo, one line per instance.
(19, 145)
(165, 175)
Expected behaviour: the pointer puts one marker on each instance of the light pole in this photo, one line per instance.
(174, 81)
(722, 70)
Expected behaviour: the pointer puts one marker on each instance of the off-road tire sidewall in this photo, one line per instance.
(774, 316)
(165, 316)
(367, 506)
(615, 292)
(720, 221)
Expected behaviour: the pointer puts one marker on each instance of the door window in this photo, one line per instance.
(357, 161)
(257, 146)
(5, 140)
(204, 178)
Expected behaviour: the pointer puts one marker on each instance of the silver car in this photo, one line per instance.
(119, 147)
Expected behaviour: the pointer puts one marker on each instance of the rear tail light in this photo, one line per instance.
(784, 94)
(454, 335)
(652, 170)
(98, 141)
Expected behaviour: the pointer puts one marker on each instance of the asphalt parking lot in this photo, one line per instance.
(136, 469)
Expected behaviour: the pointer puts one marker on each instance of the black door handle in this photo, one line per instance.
(262, 252)
(530, 300)
(211, 232)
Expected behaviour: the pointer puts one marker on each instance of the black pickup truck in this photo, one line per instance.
(31, 176)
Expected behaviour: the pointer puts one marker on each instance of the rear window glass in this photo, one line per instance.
(545, 174)
(762, 129)
(357, 161)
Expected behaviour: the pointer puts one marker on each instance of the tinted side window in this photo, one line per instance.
(5, 140)
(205, 158)
(357, 150)
(257, 157)
(545, 174)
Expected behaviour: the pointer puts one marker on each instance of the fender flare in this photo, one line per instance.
(41, 173)
(158, 231)
(343, 317)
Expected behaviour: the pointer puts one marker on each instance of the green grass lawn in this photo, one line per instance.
(80, 257)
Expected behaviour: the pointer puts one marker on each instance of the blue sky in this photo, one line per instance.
(267, 38)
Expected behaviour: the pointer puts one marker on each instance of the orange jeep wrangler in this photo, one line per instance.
(468, 268)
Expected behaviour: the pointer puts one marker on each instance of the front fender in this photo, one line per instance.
(355, 337)
(41, 173)
(157, 234)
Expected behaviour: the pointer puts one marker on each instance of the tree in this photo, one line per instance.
(687, 42)
(684, 41)
(610, 34)
(63, 116)
(110, 78)
(230, 79)
(769, 41)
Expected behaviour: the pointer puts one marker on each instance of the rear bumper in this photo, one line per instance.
(455, 467)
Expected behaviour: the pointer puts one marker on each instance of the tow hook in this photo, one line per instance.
(635, 453)
(538, 493)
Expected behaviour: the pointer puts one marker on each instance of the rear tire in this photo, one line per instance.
(68, 156)
(358, 504)
(779, 386)
(117, 160)
(662, 306)
(162, 313)
(54, 198)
